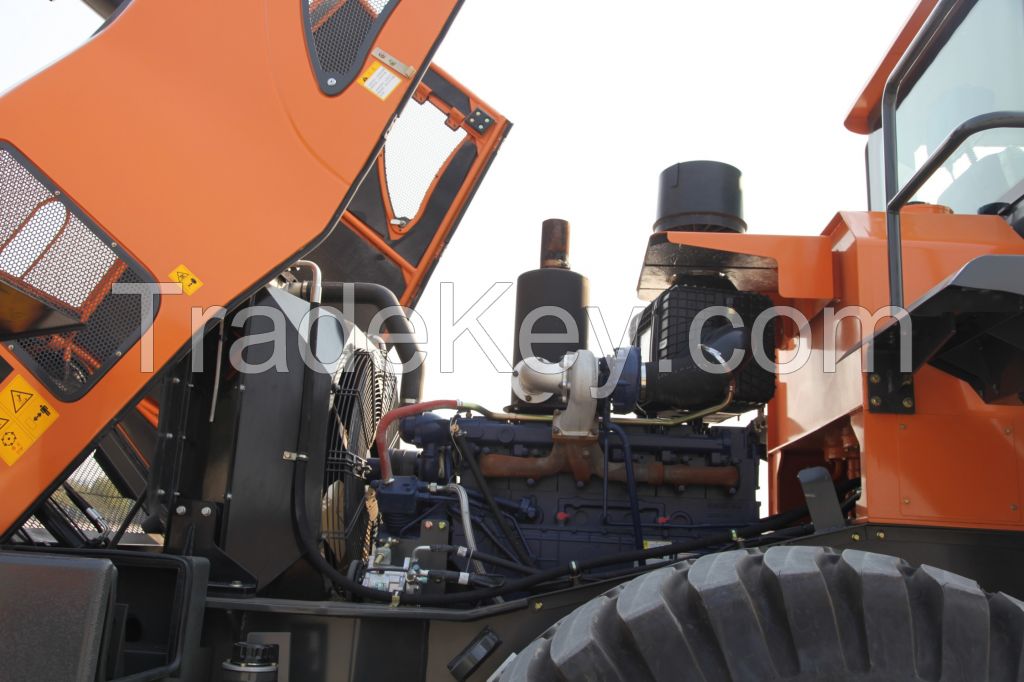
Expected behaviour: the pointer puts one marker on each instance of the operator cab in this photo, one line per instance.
(974, 72)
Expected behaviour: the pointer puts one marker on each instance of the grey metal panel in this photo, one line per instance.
(53, 614)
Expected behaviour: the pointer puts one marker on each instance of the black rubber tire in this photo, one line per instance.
(790, 613)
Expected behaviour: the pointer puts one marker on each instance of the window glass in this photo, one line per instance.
(976, 72)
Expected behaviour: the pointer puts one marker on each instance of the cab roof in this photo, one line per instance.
(865, 116)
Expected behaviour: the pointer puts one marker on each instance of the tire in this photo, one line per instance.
(790, 613)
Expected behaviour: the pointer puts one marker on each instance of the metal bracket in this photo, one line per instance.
(890, 391)
(294, 456)
(480, 121)
(820, 493)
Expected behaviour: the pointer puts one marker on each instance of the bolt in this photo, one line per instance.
(856, 537)
(161, 492)
(876, 401)
(880, 535)
(908, 403)
(236, 583)
(906, 500)
(538, 605)
(580, 484)
(227, 496)
(205, 511)
(10, 346)
(903, 427)
(428, 524)
(531, 482)
(680, 488)
(180, 511)
(117, 353)
(332, 81)
(876, 379)
(1008, 431)
(175, 380)
(169, 436)
(113, 245)
(529, 398)
(442, 524)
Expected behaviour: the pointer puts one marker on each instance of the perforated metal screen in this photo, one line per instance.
(95, 488)
(341, 32)
(50, 251)
(416, 151)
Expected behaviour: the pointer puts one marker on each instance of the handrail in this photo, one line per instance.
(920, 45)
(963, 132)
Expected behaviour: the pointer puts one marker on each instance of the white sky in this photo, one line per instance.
(603, 99)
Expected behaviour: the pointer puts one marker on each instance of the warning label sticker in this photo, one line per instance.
(24, 417)
(187, 279)
(380, 80)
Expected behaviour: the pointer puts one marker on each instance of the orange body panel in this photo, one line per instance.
(956, 461)
(195, 132)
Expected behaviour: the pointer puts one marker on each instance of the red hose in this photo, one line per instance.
(398, 413)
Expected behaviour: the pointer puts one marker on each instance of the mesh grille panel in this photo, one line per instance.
(416, 150)
(340, 28)
(94, 486)
(48, 251)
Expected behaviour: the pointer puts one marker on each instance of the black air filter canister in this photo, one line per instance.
(700, 196)
(554, 285)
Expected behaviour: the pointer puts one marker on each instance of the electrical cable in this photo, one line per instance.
(634, 502)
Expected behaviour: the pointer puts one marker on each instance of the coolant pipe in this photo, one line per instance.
(634, 503)
(337, 293)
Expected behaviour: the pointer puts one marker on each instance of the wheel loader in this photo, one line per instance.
(217, 462)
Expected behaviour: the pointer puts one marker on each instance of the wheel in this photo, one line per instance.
(790, 613)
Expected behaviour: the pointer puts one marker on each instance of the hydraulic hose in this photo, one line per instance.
(475, 555)
(634, 503)
(309, 545)
(382, 298)
(469, 457)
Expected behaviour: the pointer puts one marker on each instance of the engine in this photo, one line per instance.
(562, 477)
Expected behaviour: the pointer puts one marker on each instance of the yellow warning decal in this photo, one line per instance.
(24, 417)
(186, 278)
(380, 80)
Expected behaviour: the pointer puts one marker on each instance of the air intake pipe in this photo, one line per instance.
(681, 383)
(678, 383)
